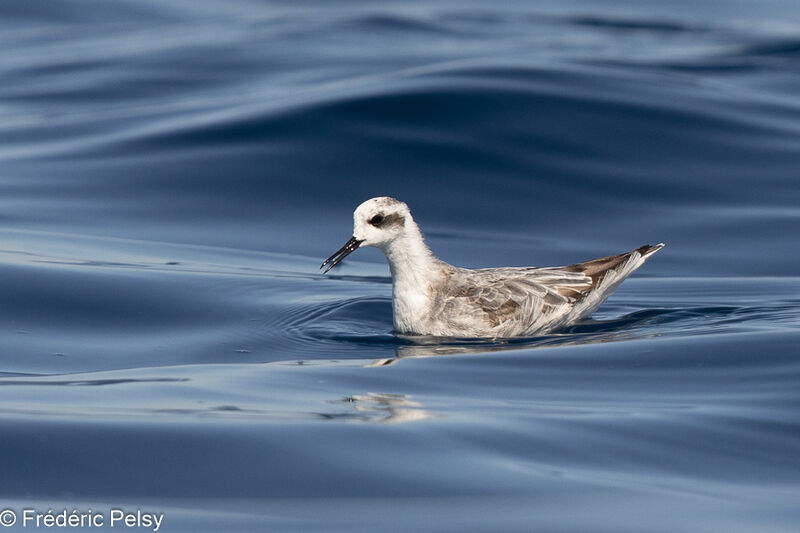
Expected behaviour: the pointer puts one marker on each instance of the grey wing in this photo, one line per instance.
(525, 301)
(513, 301)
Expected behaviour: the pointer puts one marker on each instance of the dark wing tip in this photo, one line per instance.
(648, 250)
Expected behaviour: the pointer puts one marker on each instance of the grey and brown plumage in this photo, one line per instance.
(431, 297)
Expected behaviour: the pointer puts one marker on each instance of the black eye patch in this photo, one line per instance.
(387, 221)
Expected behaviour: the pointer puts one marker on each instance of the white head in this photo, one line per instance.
(377, 222)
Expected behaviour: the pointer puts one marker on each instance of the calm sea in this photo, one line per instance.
(173, 173)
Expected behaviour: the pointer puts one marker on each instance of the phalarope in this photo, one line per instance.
(431, 297)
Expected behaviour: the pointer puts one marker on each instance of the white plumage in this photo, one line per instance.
(431, 297)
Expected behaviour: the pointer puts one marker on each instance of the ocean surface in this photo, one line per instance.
(173, 173)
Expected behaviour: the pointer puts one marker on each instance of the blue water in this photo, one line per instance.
(173, 173)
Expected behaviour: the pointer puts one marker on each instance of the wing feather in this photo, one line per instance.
(512, 300)
(507, 302)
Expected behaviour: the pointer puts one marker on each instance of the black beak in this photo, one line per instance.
(349, 247)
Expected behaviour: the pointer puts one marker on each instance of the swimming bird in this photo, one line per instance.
(431, 297)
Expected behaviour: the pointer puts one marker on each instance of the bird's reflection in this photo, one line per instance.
(586, 332)
(388, 408)
(382, 408)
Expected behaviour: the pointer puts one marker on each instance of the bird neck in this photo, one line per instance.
(410, 259)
